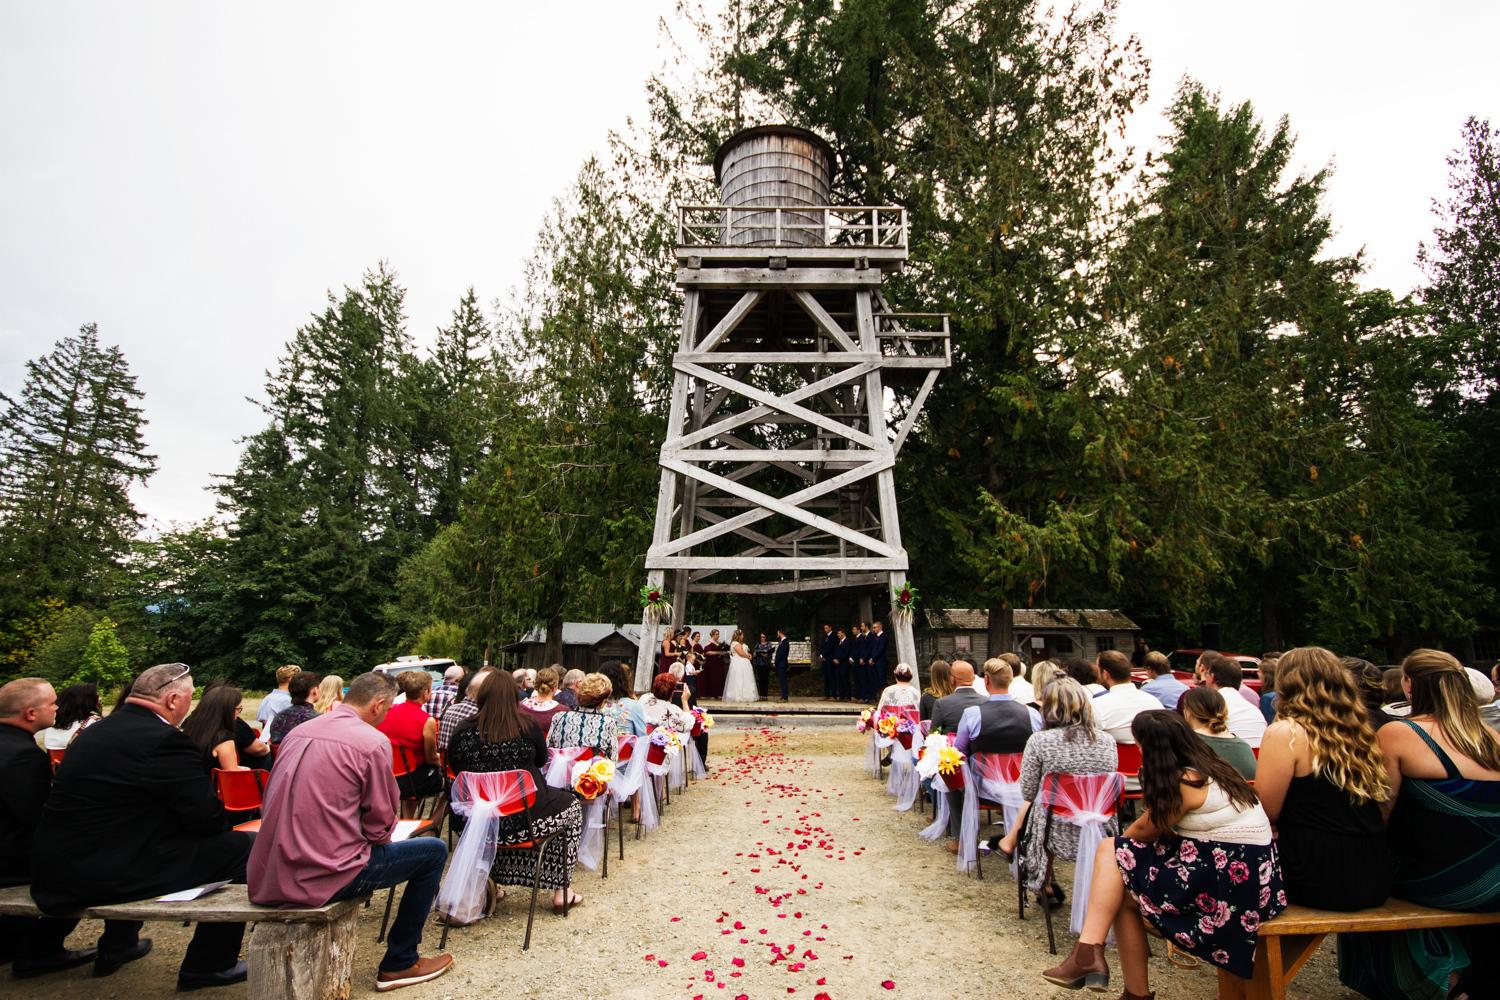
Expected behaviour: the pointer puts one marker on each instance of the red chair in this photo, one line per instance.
(56, 756)
(402, 765)
(241, 791)
(1002, 767)
(1130, 767)
(517, 794)
(1069, 798)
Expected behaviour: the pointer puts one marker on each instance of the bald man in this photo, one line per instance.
(34, 944)
(948, 710)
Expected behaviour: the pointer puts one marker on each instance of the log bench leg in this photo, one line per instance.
(305, 961)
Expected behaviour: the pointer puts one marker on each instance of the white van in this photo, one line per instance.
(433, 665)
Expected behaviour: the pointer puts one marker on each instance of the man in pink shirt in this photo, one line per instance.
(325, 835)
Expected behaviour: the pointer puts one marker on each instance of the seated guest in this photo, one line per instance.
(1444, 769)
(568, 693)
(541, 705)
(622, 705)
(413, 736)
(1020, 687)
(1484, 693)
(1122, 701)
(445, 693)
(211, 728)
(1001, 724)
(1322, 781)
(330, 693)
(301, 689)
(659, 708)
(1201, 822)
(587, 726)
(277, 699)
(1370, 681)
(501, 737)
(1220, 673)
(1268, 686)
(463, 709)
(77, 708)
(939, 685)
(327, 823)
(946, 711)
(36, 944)
(132, 815)
(249, 748)
(522, 677)
(1163, 685)
(902, 694)
(1070, 743)
(1084, 673)
(1207, 716)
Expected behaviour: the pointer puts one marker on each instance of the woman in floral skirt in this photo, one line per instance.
(1198, 867)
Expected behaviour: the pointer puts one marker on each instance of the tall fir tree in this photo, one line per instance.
(73, 447)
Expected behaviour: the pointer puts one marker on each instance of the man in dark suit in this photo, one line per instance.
(946, 713)
(875, 672)
(858, 650)
(842, 655)
(133, 815)
(826, 648)
(783, 651)
(35, 944)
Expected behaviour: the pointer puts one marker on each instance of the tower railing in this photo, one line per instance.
(876, 227)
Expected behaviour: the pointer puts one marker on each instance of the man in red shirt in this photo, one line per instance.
(326, 830)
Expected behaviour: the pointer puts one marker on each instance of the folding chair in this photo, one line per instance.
(1086, 801)
(401, 765)
(241, 791)
(1001, 773)
(56, 756)
(1130, 767)
(514, 793)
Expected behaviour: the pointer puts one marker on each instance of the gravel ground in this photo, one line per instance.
(786, 874)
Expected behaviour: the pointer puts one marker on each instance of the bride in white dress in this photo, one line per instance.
(739, 682)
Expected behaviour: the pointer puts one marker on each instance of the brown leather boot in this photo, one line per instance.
(1084, 967)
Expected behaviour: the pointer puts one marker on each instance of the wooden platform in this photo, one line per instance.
(1288, 941)
(304, 953)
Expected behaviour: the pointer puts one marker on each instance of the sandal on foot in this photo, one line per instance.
(573, 904)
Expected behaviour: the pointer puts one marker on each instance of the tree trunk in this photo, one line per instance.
(1270, 620)
(1002, 634)
(552, 652)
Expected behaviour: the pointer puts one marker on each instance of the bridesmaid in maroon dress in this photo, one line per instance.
(668, 651)
(715, 667)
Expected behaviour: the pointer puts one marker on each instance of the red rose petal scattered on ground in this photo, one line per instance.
(676, 919)
(738, 963)
(699, 956)
(661, 963)
(888, 985)
(823, 981)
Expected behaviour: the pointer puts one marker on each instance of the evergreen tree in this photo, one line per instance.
(73, 448)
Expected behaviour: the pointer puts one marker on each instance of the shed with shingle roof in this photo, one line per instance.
(1039, 632)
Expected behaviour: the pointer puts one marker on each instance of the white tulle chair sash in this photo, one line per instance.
(992, 777)
(1088, 802)
(630, 775)
(482, 798)
(560, 761)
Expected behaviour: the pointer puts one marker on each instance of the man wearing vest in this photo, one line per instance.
(1001, 724)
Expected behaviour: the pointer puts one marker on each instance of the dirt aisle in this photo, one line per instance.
(786, 875)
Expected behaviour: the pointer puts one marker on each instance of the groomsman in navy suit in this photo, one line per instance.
(843, 654)
(783, 654)
(826, 647)
(875, 672)
(859, 648)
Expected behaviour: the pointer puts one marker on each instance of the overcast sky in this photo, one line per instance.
(193, 177)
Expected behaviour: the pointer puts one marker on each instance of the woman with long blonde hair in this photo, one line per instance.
(330, 693)
(1444, 769)
(939, 685)
(1323, 782)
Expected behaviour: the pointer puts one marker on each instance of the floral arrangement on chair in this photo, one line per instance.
(905, 730)
(590, 780)
(654, 602)
(863, 725)
(663, 742)
(950, 767)
(702, 722)
(886, 726)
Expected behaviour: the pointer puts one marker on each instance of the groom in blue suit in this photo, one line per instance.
(783, 651)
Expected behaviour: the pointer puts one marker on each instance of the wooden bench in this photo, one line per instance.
(1288, 941)
(295, 954)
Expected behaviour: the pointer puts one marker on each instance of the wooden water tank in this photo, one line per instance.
(774, 166)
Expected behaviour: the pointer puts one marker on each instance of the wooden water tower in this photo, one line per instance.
(794, 387)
